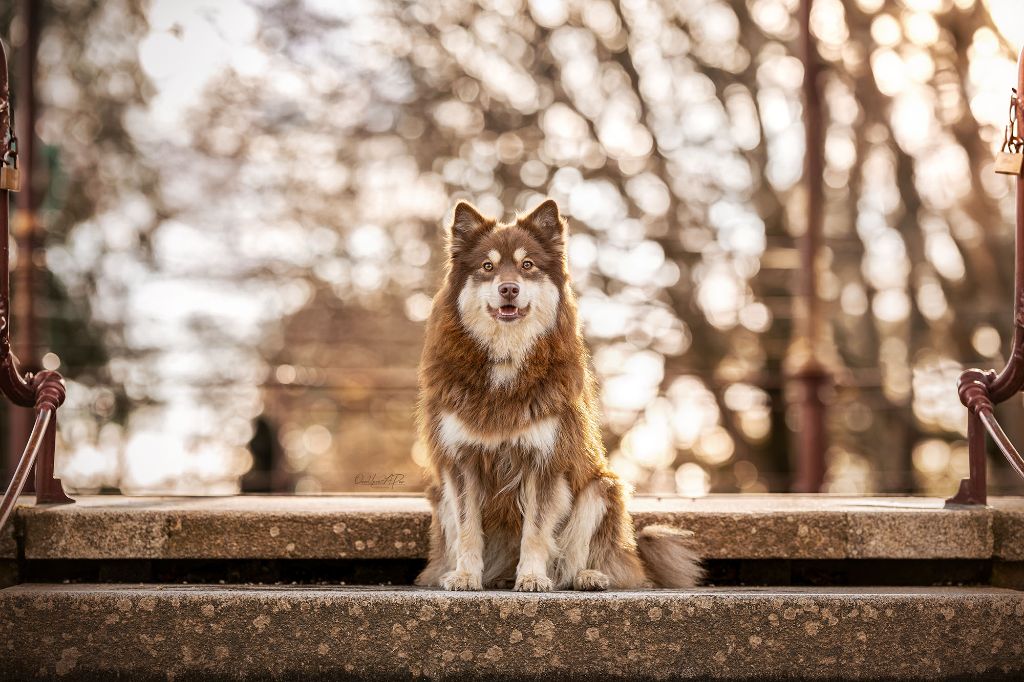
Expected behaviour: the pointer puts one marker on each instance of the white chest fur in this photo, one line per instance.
(454, 434)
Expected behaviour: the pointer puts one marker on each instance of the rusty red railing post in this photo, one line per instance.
(25, 228)
(981, 390)
(43, 391)
(806, 369)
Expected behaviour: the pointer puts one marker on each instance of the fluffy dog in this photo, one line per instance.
(520, 486)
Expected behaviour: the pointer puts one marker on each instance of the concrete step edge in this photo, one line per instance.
(382, 527)
(191, 632)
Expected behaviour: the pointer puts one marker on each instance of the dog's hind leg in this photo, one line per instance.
(462, 496)
(545, 505)
(571, 569)
(443, 531)
(612, 560)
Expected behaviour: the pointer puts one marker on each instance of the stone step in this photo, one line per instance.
(103, 632)
(395, 527)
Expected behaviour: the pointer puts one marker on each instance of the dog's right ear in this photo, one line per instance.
(467, 224)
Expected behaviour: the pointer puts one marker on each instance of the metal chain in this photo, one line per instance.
(12, 138)
(1012, 141)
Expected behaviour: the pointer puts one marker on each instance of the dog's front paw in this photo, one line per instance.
(590, 580)
(533, 582)
(461, 581)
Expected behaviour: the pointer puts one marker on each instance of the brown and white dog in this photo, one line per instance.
(520, 486)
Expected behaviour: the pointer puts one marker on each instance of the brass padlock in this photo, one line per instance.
(10, 178)
(1009, 163)
(1010, 159)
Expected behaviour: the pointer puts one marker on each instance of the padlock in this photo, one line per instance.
(1010, 159)
(1009, 163)
(10, 178)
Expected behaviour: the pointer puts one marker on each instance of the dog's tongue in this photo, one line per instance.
(508, 311)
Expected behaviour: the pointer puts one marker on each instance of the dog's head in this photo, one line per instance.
(508, 277)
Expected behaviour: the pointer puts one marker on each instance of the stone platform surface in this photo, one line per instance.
(106, 632)
(395, 526)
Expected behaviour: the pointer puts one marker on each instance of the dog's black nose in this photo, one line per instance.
(508, 290)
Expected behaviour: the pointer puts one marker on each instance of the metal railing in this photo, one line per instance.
(981, 390)
(44, 391)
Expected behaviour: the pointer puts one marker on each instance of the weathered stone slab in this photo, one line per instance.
(258, 527)
(912, 528)
(1008, 526)
(755, 527)
(8, 542)
(395, 526)
(102, 632)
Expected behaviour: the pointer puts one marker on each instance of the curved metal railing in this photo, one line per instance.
(43, 391)
(980, 390)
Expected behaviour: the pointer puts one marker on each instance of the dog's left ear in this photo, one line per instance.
(546, 222)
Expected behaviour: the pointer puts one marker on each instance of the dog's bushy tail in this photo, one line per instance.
(669, 556)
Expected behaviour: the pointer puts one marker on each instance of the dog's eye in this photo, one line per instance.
(488, 265)
(527, 264)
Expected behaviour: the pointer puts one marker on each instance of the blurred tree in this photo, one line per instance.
(261, 163)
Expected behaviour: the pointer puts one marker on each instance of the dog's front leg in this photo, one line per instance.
(546, 502)
(464, 498)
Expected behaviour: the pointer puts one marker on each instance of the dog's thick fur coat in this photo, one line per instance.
(520, 487)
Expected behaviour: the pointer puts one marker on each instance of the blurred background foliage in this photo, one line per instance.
(247, 199)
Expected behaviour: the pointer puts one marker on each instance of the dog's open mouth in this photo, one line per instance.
(508, 313)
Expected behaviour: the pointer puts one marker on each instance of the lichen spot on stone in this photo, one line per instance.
(545, 629)
(515, 636)
(360, 545)
(68, 661)
(575, 615)
(811, 627)
(323, 649)
(261, 622)
(274, 531)
(593, 634)
(338, 528)
(209, 610)
(755, 641)
(654, 613)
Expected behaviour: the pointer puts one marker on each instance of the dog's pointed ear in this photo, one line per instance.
(467, 223)
(547, 223)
